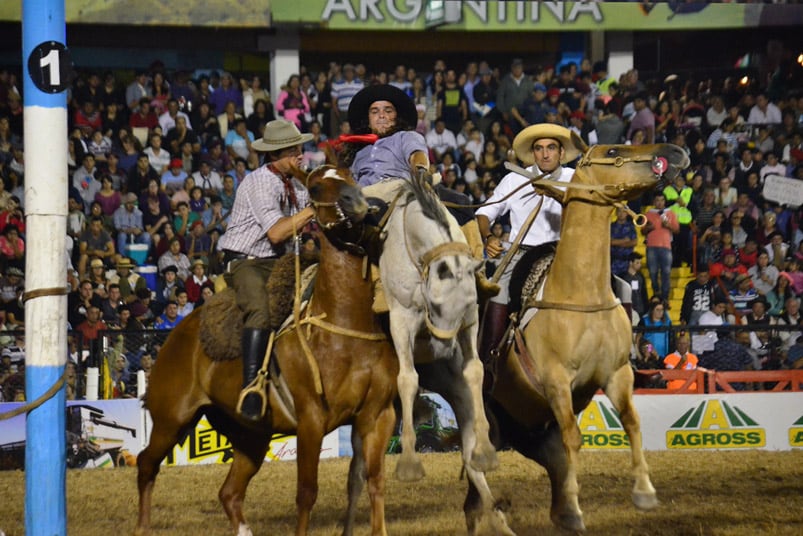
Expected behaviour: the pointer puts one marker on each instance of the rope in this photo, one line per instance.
(316, 371)
(576, 307)
(515, 246)
(41, 292)
(47, 395)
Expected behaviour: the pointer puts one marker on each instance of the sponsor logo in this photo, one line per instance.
(796, 434)
(715, 424)
(202, 445)
(601, 428)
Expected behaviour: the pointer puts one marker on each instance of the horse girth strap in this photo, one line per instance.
(576, 307)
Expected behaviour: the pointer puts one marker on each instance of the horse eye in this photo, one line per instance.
(315, 190)
(612, 152)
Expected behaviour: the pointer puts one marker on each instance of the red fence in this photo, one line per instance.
(701, 381)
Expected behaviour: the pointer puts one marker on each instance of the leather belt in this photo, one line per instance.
(229, 256)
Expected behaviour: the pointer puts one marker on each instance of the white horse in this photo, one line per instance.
(428, 274)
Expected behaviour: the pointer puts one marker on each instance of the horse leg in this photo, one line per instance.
(356, 481)
(565, 512)
(620, 392)
(483, 455)
(310, 437)
(409, 467)
(249, 454)
(376, 431)
(482, 517)
(166, 433)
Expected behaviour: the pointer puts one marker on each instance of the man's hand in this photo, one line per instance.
(493, 247)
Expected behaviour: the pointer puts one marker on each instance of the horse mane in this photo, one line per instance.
(420, 189)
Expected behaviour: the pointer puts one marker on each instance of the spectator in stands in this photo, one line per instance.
(226, 93)
(89, 330)
(513, 90)
(168, 284)
(169, 118)
(208, 179)
(12, 248)
(697, 297)
(763, 274)
(184, 219)
(109, 305)
(143, 309)
(644, 119)
(128, 281)
(158, 156)
(180, 136)
(776, 298)
(742, 295)
(169, 318)
(777, 250)
(126, 320)
(239, 139)
(795, 273)
(94, 242)
(638, 285)
(773, 166)
(195, 282)
(85, 180)
(681, 359)
(678, 197)
(198, 241)
(343, 90)
(138, 90)
(623, 240)
(129, 224)
(174, 257)
(79, 301)
(655, 318)
(661, 225)
(173, 179)
(789, 317)
(764, 112)
(185, 307)
(293, 104)
(440, 140)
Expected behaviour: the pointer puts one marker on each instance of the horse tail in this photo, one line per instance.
(421, 188)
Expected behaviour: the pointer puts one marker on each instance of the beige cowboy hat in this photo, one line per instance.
(523, 142)
(280, 134)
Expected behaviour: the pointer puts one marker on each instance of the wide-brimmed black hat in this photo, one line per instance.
(361, 102)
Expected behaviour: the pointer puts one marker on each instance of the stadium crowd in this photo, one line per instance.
(155, 163)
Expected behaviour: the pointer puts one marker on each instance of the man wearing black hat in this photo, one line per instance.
(270, 204)
(398, 152)
(168, 285)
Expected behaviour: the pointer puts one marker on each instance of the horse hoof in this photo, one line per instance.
(244, 530)
(569, 521)
(644, 500)
(484, 460)
(411, 470)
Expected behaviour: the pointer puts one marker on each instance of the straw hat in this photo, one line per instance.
(523, 142)
(280, 134)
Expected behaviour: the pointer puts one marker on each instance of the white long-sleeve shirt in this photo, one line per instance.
(546, 226)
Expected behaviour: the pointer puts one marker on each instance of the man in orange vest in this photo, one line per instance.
(681, 359)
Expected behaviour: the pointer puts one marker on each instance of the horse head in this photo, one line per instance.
(618, 173)
(340, 207)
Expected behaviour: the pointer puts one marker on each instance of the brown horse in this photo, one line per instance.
(358, 369)
(579, 339)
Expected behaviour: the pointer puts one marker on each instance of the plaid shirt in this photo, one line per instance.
(261, 202)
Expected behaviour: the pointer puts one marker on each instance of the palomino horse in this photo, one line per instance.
(580, 338)
(357, 366)
(428, 274)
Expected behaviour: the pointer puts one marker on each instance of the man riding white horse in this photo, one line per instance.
(543, 147)
(387, 150)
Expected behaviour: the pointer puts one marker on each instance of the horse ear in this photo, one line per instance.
(578, 142)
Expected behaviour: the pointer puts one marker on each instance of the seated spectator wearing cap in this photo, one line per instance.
(533, 109)
(742, 295)
(173, 179)
(127, 280)
(143, 309)
(129, 226)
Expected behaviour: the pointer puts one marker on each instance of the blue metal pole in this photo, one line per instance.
(45, 119)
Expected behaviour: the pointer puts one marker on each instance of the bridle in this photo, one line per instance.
(423, 264)
(341, 220)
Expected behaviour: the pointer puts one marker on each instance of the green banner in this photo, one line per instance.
(468, 15)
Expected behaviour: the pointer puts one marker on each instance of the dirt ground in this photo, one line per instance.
(727, 493)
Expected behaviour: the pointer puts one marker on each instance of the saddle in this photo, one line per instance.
(222, 319)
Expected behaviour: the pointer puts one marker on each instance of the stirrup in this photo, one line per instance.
(256, 387)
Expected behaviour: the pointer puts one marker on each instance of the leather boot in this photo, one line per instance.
(254, 344)
(493, 329)
(485, 289)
